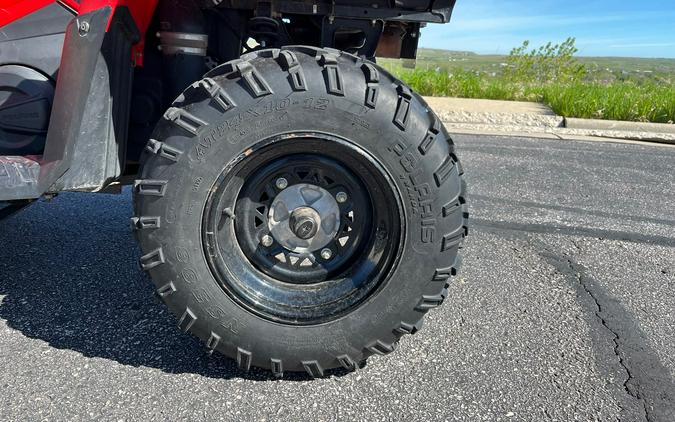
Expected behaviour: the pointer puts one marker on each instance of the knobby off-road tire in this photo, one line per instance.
(218, 123)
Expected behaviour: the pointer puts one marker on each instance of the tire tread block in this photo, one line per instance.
(429, 302)
(187, 320)
(334, 80)
(253, 79)
(381, 348)
(443, 274)
(408, 328)
(452, 239)
(150, 187)
(371, 95)
(244, 358)
(212, 342)
(166, 290)
(184, 119)
(451, 207)
(290, 63)
(312, 368)
(152, 259)
(347, 362)
(444, 171)
(277, 367)
(143, 223)
(402, 107)
(217, 94)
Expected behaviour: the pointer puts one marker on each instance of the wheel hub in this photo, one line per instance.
(304, 218)
(304, 222)
(304, 229)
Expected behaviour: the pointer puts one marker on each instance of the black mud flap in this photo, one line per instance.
(89, 120)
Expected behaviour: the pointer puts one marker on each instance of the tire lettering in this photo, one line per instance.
(170, 215)
(182, 254)
(189, 275)
(201, 295)
(420, 194)
(196, 184)
(316, 104)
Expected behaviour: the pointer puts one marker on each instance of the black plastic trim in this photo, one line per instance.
(76, 78)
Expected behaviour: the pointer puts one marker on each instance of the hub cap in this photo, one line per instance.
(304, 218)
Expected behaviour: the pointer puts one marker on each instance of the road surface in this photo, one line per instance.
(564, 309)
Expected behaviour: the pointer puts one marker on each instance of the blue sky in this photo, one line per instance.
(643, 28)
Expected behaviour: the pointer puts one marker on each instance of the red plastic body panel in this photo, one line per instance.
(141, 11)
(11, 10)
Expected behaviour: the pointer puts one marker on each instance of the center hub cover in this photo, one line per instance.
(304, 218)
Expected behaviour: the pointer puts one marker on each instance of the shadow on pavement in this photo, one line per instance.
(69, 277)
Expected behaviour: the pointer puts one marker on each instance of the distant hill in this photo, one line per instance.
(439, 51)
(603, 67)
(600, 69)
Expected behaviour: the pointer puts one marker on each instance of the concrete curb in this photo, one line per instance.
(515, 132)
(595, 124)
(513, 117)
(513, 113)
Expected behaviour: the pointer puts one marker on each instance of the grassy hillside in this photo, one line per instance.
(600, 68)
(611, 87)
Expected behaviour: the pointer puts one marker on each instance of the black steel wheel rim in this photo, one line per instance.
(358, 215)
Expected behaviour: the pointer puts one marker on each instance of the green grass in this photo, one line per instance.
(618, 101)
(623, 89)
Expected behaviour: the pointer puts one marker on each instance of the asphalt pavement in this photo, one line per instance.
(564, 309)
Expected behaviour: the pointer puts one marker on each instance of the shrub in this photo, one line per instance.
(546, 64)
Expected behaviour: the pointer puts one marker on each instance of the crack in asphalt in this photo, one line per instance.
(646, 381)
(577, 272)
(565, 266)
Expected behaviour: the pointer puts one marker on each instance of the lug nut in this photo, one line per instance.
(341, 197)
(326, 253)
(267, 241)
(282, 183)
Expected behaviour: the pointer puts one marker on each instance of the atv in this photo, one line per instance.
(298, 208)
